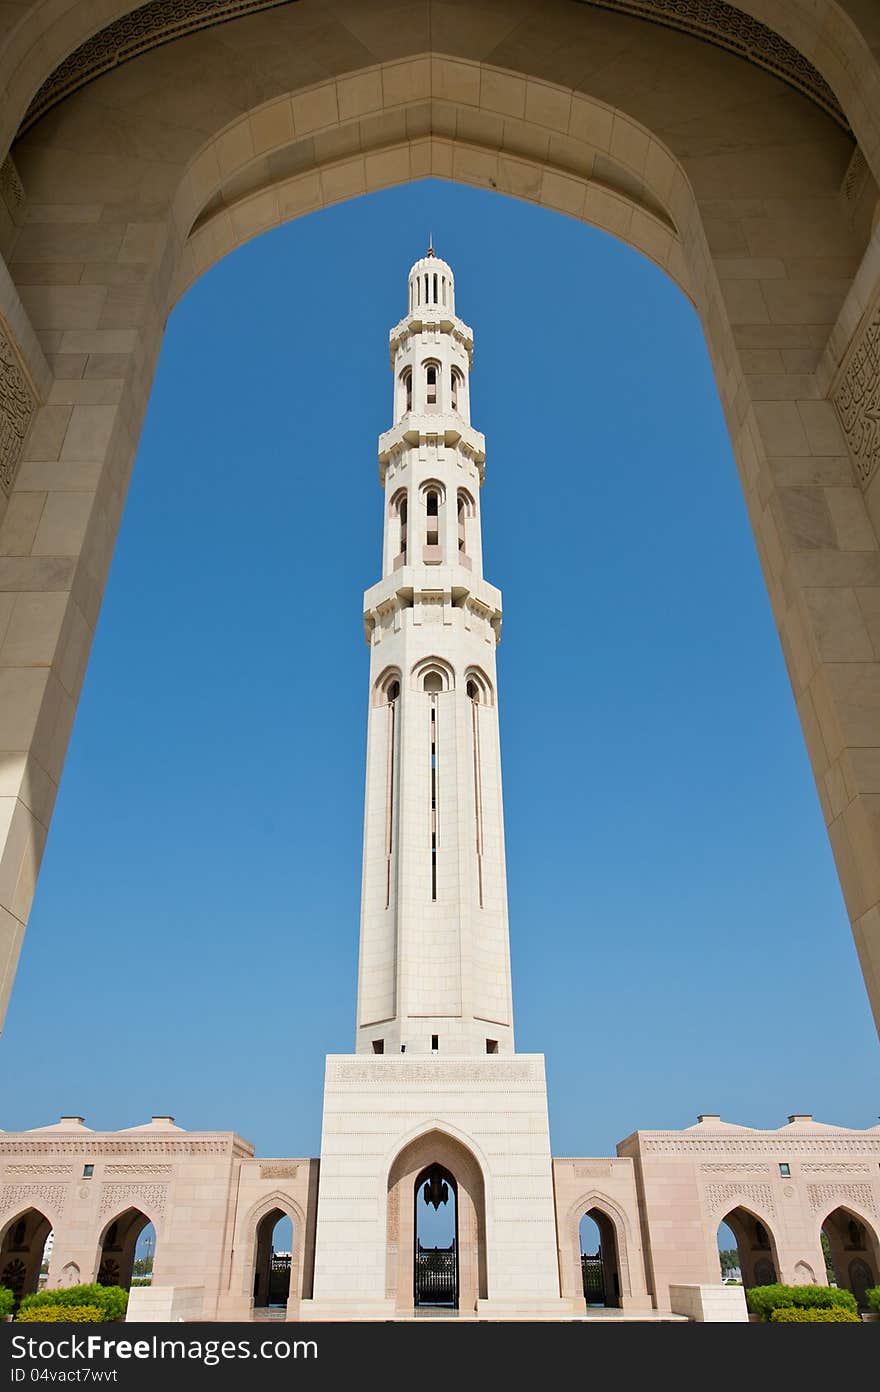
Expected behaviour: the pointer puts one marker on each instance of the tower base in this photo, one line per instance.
(386, 1121)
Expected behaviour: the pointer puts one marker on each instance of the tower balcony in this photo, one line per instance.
(445, 427)
(454, 585)
(430, 319)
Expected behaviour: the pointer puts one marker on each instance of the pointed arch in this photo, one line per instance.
(436, 1144)
(590, 1201)
(433, 667)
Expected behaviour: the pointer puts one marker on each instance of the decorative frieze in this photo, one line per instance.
(735, 1167)
(278, 1171)
(18, 403)
(14, 1197)
(15, 1170)
(823, 1194)
(448, 1073)
(857, 397)
(727, 1196)
(149, 1198)
(139, 1169)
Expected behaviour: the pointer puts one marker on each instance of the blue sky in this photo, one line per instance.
(679, 939)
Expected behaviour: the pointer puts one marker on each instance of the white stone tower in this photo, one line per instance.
(434, 974)
(448, 1096)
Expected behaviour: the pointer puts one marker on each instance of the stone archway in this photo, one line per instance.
(21, 1251)
(755, 1245)
(623, 1282)
(854, 1249)
(116, 1249)
(252, 1254)
(761, 209)
(436, 1148)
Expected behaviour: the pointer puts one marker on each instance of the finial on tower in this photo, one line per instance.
(430, 244)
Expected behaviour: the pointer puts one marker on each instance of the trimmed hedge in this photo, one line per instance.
(112, 1301)
(61, 1314)
(7, 1301)
(763, 1300)
(874, 1299)
(835, 1314)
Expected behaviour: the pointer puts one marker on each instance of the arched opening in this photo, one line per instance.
(852, 1253)
(750, 1238)
(25, 1252)
(433, 551)
(465, 510)
(432, 394)
(600, 1265)
(121, 1245)
(272, 1259)
(404, 399)
(437, 1206)
(456, 390)
(435, 1257)
(397, 520)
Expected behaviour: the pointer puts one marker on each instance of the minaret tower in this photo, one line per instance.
(434, 970)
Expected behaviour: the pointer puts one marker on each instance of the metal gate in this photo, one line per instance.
(593, 1271)
(436, 1275)
(279, 1279)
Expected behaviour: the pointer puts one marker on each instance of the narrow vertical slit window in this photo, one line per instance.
(431, 385)
(435, 1043)
(433, 797)
(392, 693)
(473, 692)
(436, 299)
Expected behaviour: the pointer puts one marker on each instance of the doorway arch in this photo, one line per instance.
(614, 156)
(853, 1252)
(600, 1264)
(272, 1260)
(755, 1246)
(22, 1248)
(436, 1156)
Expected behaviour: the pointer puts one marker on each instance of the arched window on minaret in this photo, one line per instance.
(456, 393)
(397, 521)
(433, 553)
(465, 509)
(404, 394)
(432, 377)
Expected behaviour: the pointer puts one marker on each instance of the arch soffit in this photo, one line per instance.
(258, 1210)
(145, 1211)
(722, 1210)
(640, 193)
(829, 41)
(608, 1207)
(853, 1209)
(449, 1132)
(6, 1225)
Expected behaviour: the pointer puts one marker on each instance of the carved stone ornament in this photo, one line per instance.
(857, 398)
(17, 405)
(861, 1194)
(19, 1196)
(149, 1198)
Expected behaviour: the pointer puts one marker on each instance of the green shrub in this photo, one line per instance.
(834, 1314)
(763, 1300)
(874, 1299)
(61, 1314)
(7, 1301)
(112, 1301)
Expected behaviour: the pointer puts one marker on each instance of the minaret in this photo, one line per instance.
(434, 969)
(440, 1107)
